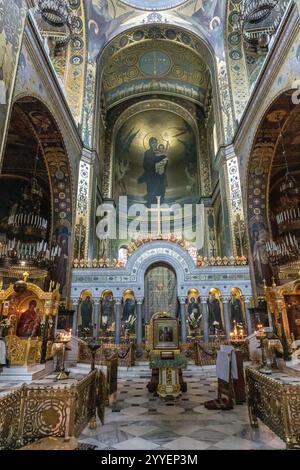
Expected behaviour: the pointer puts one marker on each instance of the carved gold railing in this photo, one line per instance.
(11, 411)
(276, 403)
(206, 353)
(125, 354)
(25, 351)
(35, 412)
(189, 351)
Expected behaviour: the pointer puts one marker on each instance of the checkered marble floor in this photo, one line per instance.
(139, 421)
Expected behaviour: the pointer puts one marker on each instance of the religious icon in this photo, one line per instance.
(262, 266)
(29, 322)
(194, 308)
(293, 314)
(215, 316)
(236, 308)
(62, 258)
(166, 333)
(86, 310)
(107, 311)
(129, 308)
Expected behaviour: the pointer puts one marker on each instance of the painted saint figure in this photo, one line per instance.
(155, 177)
(107, 311)
(165, 334)
(236, 312)
(129, 308)
(86, 312)
(62, 259)
(29, 323)
(215, 316)
(260, 255)
(194, 308)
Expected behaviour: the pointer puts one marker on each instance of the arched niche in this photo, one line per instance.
(140, 110)
(33, 131)
(266, 170)
(160, 290)
(176, 36)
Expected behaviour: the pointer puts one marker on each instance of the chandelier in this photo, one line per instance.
(286, 248)
(57, 13)
(26, 239)
(257, 23)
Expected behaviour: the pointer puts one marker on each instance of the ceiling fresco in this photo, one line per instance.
(155, 67)
(109, 17)
(176, 142)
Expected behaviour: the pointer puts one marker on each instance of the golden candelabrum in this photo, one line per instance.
(238, 334)
(61, 341)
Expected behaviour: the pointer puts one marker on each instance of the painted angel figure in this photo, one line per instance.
(121, 172)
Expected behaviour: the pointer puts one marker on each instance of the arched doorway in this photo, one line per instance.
(273, 196)
(37, 211)
(160, 290)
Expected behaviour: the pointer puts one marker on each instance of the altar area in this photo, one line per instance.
(27, 325)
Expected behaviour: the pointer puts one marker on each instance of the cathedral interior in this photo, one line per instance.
(149, 249)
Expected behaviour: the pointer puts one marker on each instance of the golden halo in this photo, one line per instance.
(159, 138)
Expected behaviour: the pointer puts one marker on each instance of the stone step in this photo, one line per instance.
(26, 374)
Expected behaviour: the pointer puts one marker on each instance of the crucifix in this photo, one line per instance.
(159, 211)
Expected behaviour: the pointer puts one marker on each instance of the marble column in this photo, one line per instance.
(248, 316)
(117, 306)
(139, 322)
(76, 304)
(182, 301)
(227, 316)
(205, 321)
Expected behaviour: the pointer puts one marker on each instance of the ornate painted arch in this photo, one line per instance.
(74, 81)
(261, 157)
(160, 252)
(47, 132)
(203, 159)
(186, 39)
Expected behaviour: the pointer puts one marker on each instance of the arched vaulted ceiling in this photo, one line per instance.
(155, 67)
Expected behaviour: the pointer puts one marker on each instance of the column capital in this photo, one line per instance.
(118, 300)
(226, 299)
(182, 300)
(97, 301)
(88, 156)
(140, 300)
(76, 301)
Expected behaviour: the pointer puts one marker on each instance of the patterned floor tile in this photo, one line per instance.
(146, 422)
(186, 443)
(139, 430)
(136, 443)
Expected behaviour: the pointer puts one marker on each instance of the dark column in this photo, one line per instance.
(118, 320)
(182, 301)
(205, 321)
(139, 322)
